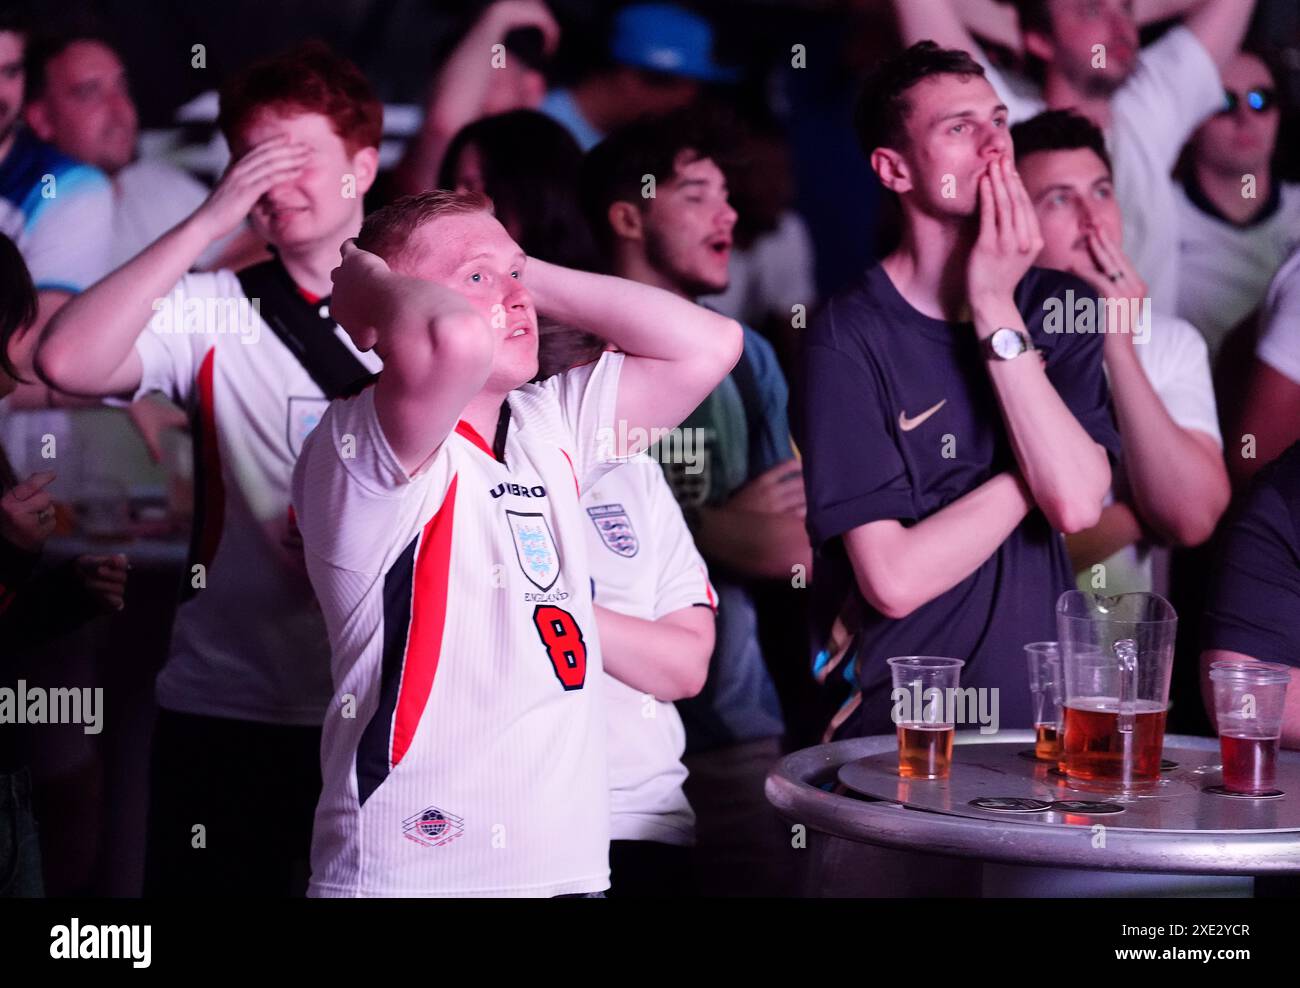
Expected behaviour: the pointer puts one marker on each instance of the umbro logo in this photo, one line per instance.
(518, 490)
(908, 424)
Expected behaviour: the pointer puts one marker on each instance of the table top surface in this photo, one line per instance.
(1030, 814)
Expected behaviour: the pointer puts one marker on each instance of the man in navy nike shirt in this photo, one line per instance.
(949, 438)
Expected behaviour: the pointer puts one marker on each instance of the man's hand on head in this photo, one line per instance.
(1009, 237)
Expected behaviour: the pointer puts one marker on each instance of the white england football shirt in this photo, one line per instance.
(1225, 268)
(249, 641)
(644, 564)
(464, 749)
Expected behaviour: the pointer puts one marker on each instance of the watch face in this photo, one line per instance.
(1007, 343)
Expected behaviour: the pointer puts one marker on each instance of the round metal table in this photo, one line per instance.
(851, 791)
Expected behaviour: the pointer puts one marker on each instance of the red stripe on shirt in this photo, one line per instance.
(463, 428)
(575, 474)
(214, 490)
(428, 618)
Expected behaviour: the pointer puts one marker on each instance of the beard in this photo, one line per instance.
(660, 257)
(1092, 83)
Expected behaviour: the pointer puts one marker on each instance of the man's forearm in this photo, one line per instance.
(1179, 486)
(1065, 469)
(899, 569)
(90, 336)
(1118, 528)
(640, 320)
(754, 544)
(667, 660)
(931, 20)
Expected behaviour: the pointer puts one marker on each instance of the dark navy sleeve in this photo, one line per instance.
(1254, 608)
(853, 471)
(773, 444)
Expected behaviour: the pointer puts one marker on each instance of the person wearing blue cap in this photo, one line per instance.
(658, 56)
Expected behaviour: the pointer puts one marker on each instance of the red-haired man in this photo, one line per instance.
(255, 358)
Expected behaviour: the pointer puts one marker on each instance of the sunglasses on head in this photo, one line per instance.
(1258, 99)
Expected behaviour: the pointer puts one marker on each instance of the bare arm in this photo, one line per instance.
(1271, 415)
(32, 392)
(1290, 712)
(752, 543)
(459, 92)
(898, 569)
(1117, 529)
(1220, 25)
(675, 352)
(89, 348)
(668, 658)
(1065, 469)
(932, 20)
(991, 20)
(437, 350)
(1177, 477)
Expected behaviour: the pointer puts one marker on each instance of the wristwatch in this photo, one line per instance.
(1007, 344)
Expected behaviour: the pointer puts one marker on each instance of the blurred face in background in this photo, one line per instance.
(11, 82)
(651, 94)
(86, 109)
(1241, 141)
(1077, 27)
(1072, 193)
(687, 227)
(956, 126)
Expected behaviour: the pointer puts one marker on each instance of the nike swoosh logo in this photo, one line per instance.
(907, 425)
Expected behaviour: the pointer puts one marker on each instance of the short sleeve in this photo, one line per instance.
(1183, 382)
(1279, 343)
(67, 243)
(853, 470)
(1174, 87)
(576, 410)
(683, 577)
(1256, 599)
(350, 493)
(180, 333)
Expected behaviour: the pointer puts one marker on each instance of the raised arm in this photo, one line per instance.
(1066, 470)
(89, 346)
(437, 350)
(460, 92)
(676, 352)
(1220, 25)
(934, 20)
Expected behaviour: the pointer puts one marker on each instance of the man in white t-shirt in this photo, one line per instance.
(1269, 420)
(1172, 485)
(654, 607)
(1237, 221)
(79, 100)
(253, 356)
(464, 752)
(1147, 101)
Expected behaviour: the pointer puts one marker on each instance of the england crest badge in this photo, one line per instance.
(615, 529)
(535, 548)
